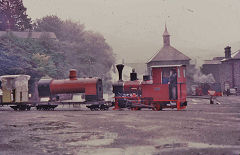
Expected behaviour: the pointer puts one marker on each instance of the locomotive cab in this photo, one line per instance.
(168, 86)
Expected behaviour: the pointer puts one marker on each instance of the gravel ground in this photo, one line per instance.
(200, 129)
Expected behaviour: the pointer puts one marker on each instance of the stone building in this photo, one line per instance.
(225, 70)
(29, 34)
(167, 55)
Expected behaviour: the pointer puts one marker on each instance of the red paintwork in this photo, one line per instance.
(160, 91)
(156, 75)
(131, 86)
(80, 85)
(181, 86)
(156, 91)
(214, 93)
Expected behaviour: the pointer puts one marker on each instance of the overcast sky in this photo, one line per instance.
(133, 28)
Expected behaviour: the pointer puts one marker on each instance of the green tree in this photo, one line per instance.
(49, 24)
(31, 57)
(83, 50)
(76, 48)
(13, 16)
(64, 30)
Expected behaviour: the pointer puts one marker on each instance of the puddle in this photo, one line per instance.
(173, 145)
(95, 139)
(49, 126)
(139, 150)
(68, 115)
(103, 151)
(90, 114)
(195, 145)
(93, 142)
(206, 145)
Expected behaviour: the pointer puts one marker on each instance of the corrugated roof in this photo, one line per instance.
(33, 35)
(169, 53)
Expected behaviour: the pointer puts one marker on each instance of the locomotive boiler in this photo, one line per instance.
(91, 87)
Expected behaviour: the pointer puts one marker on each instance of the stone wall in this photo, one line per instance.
(237, 73)
(225, 72)
(212, 69)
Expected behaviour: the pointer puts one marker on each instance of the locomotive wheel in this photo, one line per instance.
(22, 107)
(135, 108)
(103, 107)
(157, 107)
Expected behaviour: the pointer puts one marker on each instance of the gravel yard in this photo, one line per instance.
(200, 129)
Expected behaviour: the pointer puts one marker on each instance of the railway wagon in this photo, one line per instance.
(15, 91)
(164, 88)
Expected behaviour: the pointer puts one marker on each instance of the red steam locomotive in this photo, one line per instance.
(166, 89)
(90, 87)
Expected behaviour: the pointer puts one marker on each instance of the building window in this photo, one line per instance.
(184, 72)
(165, 74)
(178, 72)
(161, 77)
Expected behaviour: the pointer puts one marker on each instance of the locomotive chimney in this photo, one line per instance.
(120, 68)
(73, 74)
(227, 52)
(133, 75)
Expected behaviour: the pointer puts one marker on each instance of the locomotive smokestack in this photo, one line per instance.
(73, 74)
(120, 68)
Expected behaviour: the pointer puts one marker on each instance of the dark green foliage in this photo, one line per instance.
(13, 16)
(83, 50)
(75, 48)
(27, 56)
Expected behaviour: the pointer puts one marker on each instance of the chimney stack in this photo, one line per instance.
(133, 75)
(73, 74)
(120, 68)
(227, 52)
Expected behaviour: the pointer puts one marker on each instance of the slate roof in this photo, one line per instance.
(212, 62)
(33, 35)
(169, 53)
(236, 55)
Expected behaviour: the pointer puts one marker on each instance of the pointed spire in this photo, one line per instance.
(166, 37)
(166, 31)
